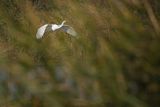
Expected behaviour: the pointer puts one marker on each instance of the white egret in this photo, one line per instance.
(52, 27)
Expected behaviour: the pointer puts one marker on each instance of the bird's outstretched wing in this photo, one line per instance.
(69, 30)
(41, 31)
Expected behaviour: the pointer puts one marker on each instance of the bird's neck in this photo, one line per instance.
(61, 24)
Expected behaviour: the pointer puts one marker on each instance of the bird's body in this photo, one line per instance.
(52, 27)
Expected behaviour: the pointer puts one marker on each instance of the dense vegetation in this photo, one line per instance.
(115, 62)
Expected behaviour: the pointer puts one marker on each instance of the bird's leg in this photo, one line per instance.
(70, 41)
(71, 45)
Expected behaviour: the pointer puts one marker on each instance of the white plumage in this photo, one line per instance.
(52, 27)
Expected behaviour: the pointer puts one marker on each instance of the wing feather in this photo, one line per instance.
(69, 30)
(41, 31)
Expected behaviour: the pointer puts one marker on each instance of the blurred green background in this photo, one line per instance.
(115, 62)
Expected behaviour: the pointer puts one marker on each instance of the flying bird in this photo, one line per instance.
(53, 27)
